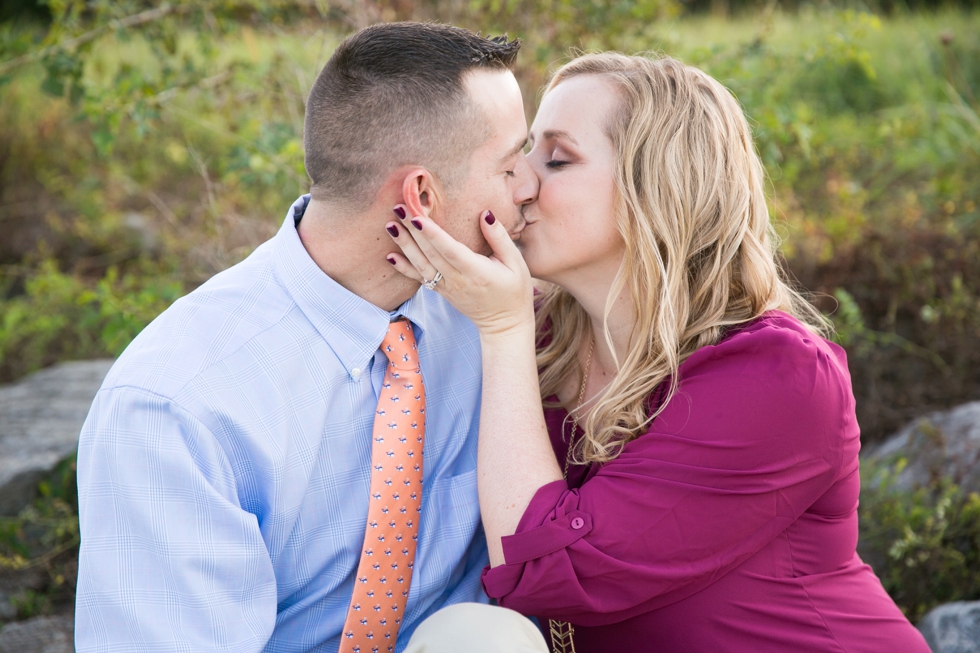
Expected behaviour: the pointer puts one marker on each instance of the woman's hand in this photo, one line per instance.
(514, 455)
(495, 291)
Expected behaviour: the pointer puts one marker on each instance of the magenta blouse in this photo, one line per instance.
(731, 525)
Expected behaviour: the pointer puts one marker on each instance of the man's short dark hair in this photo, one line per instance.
(392, 95)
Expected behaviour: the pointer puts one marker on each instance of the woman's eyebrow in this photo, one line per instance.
(552, 134)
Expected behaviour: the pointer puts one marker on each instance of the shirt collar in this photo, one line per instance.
(351, 326)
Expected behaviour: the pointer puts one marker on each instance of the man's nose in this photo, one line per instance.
(526, 190)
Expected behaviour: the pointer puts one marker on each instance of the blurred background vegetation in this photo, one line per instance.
(145, 146)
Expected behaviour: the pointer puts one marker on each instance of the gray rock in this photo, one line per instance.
(939, 444)
(40, 418)
(7, 610)
(39, 635)
(953, 627)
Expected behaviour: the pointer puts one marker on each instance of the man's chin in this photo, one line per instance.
(520, 241)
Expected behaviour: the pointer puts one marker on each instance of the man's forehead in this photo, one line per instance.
(497, 97)
(494, 90)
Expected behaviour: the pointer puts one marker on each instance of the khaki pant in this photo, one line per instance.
(476, 628)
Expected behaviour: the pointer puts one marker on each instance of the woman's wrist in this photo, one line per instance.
(507, 334)
(507, 323)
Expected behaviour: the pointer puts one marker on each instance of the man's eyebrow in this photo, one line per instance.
(517, 148)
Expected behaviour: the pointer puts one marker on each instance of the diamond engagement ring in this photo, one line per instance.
(430, 285)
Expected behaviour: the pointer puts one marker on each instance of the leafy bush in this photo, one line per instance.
(924, 545)
(59, 317)
(45, 536)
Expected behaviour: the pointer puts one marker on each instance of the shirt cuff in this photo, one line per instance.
(550, 523)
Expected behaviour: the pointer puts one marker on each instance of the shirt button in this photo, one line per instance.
(578, 523)
(356, 372)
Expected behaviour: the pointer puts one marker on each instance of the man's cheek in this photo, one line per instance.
(468, 232)
(479, 244)
(482, 247)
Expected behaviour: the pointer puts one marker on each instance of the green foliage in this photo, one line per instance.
(24, 11)
(61, 317)
(852, 333)
(561, 24)
(924, 545)
(44, 536)
(31, 603)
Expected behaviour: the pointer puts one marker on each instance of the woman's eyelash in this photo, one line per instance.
(554, 164)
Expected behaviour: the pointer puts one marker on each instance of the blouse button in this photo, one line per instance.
(578, 523)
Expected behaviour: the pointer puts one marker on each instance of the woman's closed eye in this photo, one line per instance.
(556, 164)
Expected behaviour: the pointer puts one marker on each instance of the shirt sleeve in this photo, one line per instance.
(169, 561)
(750, 441)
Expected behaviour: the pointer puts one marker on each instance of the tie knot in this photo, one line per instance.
(399, 346)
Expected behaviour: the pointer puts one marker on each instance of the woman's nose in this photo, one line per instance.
(528, 183)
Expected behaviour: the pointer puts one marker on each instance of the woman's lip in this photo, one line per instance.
(517, 238)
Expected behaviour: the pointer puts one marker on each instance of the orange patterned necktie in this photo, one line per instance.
(384, 573)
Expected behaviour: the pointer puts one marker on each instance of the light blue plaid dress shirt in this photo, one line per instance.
(223, 470)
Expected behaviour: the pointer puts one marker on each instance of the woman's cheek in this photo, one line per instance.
(577, 186)
(553, 196)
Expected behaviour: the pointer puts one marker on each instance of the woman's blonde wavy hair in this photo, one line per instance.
(700, 252)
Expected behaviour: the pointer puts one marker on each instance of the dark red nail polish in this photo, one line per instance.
(390, 260)
(490, 219)
(393, 230)
(400, 212)
(417, 224)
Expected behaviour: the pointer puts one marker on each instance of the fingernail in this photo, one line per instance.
(400, 212)
(390, 260)
(417, 224)
(489, 217)
(393, 230)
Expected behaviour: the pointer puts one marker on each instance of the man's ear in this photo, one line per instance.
(420, 192)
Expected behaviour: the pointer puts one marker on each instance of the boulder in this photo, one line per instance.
(953, 627)
(13, 582)
(940, 444)
(39, 635)
(40, 418)
(8, 611)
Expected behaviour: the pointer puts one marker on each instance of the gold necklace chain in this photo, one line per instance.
(563, 633)
(578, 406)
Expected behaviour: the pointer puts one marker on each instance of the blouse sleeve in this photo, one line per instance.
(754, 436)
